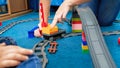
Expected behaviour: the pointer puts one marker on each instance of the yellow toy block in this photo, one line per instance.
(48, 30)
(84, 47)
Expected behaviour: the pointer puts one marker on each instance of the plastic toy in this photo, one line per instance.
(55, 36)
(84, 43)
(0, 23)
(76, 23)
(7, 27)
(85, 48)
(39, 49)
(119, 40)
(53, 47)
(31, 32)
(43, 23)
(48, 30)
(116, 32)
(40, 46)
(99, 52)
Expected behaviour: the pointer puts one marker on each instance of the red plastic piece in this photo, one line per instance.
(44, 24)
(119, 40)
(76, 22)
(53, 47)
(42, 13)
(83, 36)
(0, 23)
(40, 31)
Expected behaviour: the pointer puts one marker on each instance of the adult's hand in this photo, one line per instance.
(64, 8)
(61, 13)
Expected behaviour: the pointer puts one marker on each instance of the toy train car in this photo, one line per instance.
(55, 36)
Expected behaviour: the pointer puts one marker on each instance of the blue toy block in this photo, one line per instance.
(31, 32)
(34, 28)
(84, 42)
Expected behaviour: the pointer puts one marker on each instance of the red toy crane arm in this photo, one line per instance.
(44, 7)
(43, 23)
(44, 10)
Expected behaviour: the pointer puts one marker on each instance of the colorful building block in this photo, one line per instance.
(76, 22)
(83, 38)
(84, 43)
(76, 19)
(0, 23)
(48, 30)
(85, 49)
(83, 34)
(31, 32)
(119, 40)
(76, 25)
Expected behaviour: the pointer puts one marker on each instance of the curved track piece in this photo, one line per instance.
(2, 30)
(71, 35)
(98, 49)
(115, 32)
(39, 51)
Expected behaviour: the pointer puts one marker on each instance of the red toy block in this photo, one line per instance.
(44, 24)
(83, 34)
(76, 22)
(40, 31)
(119, 40)
(0, 23)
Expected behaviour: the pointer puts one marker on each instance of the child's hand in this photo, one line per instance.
(12, 55)
(37, 33)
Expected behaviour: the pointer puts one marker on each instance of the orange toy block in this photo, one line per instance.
(48, 30)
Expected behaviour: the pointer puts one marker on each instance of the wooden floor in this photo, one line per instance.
(9, 16)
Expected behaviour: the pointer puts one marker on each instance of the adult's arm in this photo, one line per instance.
(64, 9)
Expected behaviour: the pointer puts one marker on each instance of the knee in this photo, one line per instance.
(105, 22)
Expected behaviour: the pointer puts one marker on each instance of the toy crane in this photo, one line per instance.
(45, 28)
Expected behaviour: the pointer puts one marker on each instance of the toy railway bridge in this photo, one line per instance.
(99, 52)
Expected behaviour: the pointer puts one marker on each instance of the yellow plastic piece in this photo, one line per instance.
(48, 30)
(85, 47)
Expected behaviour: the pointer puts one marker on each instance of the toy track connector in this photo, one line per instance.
(53, 47)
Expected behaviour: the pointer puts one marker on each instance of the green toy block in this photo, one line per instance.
(75, 19)
(85, 51)
(76, 31)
